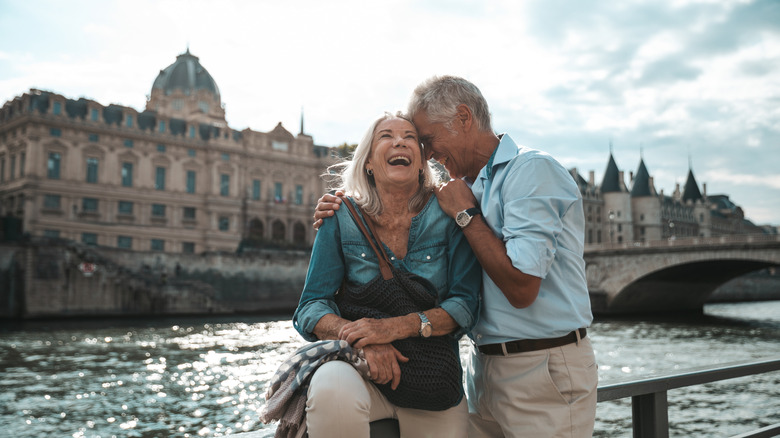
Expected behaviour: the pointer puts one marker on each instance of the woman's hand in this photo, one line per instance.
(383, 364)
(326, 207)
(369, 331)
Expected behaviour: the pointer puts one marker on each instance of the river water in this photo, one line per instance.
(191, 377)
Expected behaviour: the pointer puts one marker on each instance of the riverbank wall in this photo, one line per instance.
(52, 279)
(43, 278)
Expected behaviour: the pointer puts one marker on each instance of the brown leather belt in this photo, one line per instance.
(526, 345)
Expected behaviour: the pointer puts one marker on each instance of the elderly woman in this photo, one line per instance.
(392, 183)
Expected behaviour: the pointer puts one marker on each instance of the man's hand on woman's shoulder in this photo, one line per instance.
(326, 207)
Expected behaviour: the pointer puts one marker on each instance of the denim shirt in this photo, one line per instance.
(437, 250)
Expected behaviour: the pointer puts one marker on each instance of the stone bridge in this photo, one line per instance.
(674, 275)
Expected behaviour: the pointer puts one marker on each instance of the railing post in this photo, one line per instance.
(650, 415)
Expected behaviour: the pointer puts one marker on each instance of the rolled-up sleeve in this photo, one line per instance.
(464, 277)
(533, 212)
(323, 279)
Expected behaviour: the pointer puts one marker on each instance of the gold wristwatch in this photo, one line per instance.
(463, 218)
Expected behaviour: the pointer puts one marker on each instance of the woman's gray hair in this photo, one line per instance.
(350, 176)
(439, 97)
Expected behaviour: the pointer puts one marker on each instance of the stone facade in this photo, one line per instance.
(616, 213)
(172, 178)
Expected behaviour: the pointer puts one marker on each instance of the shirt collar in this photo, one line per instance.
(505, 151)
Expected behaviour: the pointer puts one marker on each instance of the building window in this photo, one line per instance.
(224, 184)
(159, 179)
(158, 210)
(2, 169)
(191, 152)
(89, 239)
(93, 138)
(125, 242)
(125, 207)
(161, 148)
(52, 234)
(127, 174)
(51, 201)
(92, 170)
(298, 195)
(158, 245)
(129, 121)
(203, 106)
(278, 192)
(192, 132)
(89, 205)
(190, 181)
(189, 213)
(177, 104)
(53, 167)
(55, 132)
(256, 189)
(188, 247)
(57, 108)
(13, 167)
(22, 161)
(162, 126)
(128, 143)
(279, 145)
(224, 223)
(225, 157)
(93, 114)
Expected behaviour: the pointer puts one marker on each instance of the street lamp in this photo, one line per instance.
(671, 230)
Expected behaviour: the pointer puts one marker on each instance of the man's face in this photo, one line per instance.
(442, 145)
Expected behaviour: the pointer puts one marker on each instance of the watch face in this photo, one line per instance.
(462, 219)
(426, 330)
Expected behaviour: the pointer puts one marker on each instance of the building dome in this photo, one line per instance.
(187, 75)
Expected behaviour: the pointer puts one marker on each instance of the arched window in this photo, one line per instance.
(299, 234)
(277, 231)
(256, 229)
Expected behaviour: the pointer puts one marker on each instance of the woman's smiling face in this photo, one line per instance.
(396, 157)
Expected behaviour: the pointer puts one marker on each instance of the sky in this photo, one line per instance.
(681, 84)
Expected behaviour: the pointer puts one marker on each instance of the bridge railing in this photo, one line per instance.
(649, 407)
(686, 241)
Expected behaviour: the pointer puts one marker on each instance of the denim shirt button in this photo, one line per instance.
(428, 257)
(362, 254)
(392, 258)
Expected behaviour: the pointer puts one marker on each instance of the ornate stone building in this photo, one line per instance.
(617, 213)
(173, 177)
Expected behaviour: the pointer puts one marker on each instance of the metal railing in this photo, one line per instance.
(649, 408)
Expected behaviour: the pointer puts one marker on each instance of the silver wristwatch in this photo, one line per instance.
(425, 326)
(463, 218)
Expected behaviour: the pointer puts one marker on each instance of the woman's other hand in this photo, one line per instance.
(369, 331)
(383, 364)
(326, 207)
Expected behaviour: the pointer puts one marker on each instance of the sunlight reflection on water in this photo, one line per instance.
(193, 377)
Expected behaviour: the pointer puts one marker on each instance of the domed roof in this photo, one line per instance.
(185, 74)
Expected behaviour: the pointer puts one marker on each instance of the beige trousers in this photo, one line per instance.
(546, 393)
(341, 404)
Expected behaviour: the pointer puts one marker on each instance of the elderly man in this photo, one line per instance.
(532, 370)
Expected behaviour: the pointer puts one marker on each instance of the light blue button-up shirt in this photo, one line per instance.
(437, 250)
(532, 203)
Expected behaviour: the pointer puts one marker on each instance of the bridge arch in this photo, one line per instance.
(672, 276)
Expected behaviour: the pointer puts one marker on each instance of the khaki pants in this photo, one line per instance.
(341, 404)
(546, 393)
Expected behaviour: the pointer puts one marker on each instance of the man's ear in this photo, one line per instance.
(464, 117)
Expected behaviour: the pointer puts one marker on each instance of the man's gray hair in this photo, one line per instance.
(439, 97)
(350, 176)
